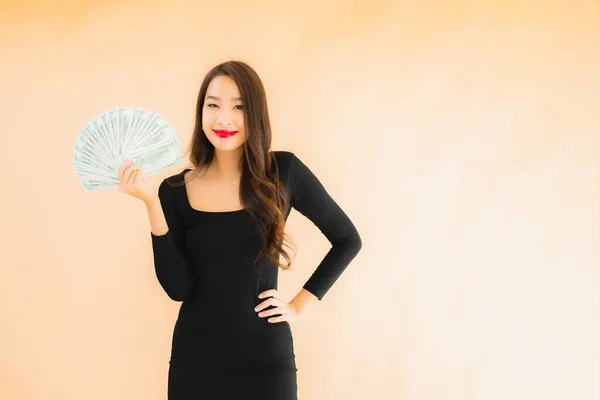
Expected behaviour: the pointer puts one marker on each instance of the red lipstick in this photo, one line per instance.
(224, 134)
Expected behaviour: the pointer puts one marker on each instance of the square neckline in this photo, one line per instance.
(189, 205)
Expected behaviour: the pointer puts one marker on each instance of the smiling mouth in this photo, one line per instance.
(224, 134)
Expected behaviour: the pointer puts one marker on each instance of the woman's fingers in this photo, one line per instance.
(274, 311)
(128, 173)
(269, 293)
(133, 181)
(272, 301)
(133, 172)
(123, 168)
(285, 311)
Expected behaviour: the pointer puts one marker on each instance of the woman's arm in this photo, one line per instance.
(172, 267)
(310, 198)
(158, 222)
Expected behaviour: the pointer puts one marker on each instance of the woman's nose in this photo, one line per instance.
(224, 118)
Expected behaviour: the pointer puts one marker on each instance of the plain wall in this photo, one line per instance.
(461, 137)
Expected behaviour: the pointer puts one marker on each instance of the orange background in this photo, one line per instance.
(461, 137)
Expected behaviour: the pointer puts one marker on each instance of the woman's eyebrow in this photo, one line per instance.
(218, 98)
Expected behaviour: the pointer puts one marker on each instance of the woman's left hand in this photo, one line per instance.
(287, 310)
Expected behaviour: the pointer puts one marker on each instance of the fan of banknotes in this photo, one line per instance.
(124, 133)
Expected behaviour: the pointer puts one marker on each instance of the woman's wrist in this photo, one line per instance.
(302, 302)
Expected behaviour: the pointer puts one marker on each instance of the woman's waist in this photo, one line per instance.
(220, 320)
(196, 342)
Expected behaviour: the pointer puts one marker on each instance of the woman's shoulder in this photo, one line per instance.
(283, 158)
(173, 181)
(281, 163)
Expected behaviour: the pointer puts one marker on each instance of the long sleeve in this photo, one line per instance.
(171, 263)
(310, 198)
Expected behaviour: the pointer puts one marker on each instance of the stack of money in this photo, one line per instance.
(125, 133)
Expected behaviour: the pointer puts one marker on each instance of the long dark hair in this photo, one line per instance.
(261, 193)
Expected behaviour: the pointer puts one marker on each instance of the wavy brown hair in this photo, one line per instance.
(261, 193)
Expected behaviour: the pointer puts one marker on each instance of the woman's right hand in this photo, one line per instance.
(133, 181)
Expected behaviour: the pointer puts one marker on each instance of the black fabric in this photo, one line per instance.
(221, 348)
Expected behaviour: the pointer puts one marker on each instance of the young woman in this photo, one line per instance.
(217, 233)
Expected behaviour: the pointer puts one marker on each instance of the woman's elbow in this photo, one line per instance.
(176, 289)
(178, 294)
(356, 243)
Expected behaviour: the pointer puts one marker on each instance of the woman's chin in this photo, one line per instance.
(224, 145)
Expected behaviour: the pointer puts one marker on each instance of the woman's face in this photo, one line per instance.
(223, 111)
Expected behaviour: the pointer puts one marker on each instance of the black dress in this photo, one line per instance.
(221, 348)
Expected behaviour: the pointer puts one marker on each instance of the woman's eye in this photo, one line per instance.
(212, 104)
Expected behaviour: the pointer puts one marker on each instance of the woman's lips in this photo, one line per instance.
(224, 134)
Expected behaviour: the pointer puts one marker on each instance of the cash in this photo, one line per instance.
(124, 133)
